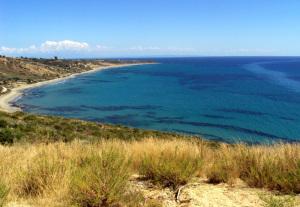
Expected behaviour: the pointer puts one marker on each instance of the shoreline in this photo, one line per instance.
(15, 93)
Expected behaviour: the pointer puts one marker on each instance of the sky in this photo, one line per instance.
(147, 28)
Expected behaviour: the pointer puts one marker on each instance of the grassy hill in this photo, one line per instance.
(28, 128)
(54, 161)
(31, 70)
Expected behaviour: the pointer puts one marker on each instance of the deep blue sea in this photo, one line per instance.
(249, 99)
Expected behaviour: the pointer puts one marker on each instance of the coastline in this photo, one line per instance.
(13, 94)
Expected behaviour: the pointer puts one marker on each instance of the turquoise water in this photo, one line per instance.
(230, 99)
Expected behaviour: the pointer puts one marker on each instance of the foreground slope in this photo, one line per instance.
(53, 161)
(148, 172)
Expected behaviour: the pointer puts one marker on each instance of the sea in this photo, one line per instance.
(254, 100)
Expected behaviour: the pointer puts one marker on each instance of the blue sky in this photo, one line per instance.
(133, 28)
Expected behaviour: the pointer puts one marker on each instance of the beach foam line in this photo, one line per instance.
(16, 93)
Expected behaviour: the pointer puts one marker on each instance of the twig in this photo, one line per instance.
(177, 194)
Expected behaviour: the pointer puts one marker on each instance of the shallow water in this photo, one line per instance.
(230, 99)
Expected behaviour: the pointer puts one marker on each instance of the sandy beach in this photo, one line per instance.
(15, 93)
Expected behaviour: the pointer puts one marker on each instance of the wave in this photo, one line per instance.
(279, 78)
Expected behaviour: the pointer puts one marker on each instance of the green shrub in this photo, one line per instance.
(170, 168)
(102, 180)
(3, 123)
(6, 136)
(4, 190)
(30, 117)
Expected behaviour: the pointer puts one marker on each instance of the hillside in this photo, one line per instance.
(27, 128)
(32, 70)
(54, 161)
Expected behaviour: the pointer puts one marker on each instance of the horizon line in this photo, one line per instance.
(163, 56)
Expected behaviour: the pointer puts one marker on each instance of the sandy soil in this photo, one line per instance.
(199, 193)
(15, 93)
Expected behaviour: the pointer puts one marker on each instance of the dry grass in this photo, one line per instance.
(275, 167)
(3, 193)
(40, 175)
(278, 201)
(102, 180)
(57, 173)
(170, 164)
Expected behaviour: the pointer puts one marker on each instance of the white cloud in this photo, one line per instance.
(7, 49)
(63, 45)
(69, 48)
(48, 47)
(18, 50)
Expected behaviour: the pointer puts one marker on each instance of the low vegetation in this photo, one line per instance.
(275, 167)
(99, 173)
(3, 193)
(26, 128)
(102, 180)
(52, 161)
(170, 166)
(278, 201)
(40, 175)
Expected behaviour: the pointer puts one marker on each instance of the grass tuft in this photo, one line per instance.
(223, 168)
(278, 201)
(102, 180)
(40, 175)
(4, 190)
(170, 168)
(276, 168)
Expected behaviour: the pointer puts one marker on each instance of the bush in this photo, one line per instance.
(4, 190)
(40, 176)
(170, 168)
(276, 172)
(6, 136)
(3, 123)
(102, 180)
